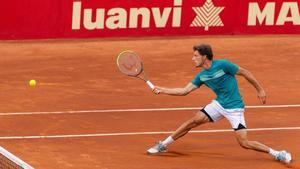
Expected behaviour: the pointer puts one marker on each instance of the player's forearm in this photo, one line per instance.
(252, 80)
(173, 91)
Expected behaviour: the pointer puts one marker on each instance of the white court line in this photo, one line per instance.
(136, 110)
(137, 133)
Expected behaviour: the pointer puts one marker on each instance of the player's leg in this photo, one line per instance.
(241, 136)
(198, 119)
(207, 114)
(237, 121)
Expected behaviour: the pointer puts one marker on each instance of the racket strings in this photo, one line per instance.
(129, 63)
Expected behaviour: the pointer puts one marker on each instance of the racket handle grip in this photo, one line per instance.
(150, 84)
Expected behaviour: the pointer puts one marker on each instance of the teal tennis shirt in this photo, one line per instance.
(220, 77)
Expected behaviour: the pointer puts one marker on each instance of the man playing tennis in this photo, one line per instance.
(218, 75)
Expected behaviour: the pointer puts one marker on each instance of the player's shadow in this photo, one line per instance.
(189, 153)
(172, 154)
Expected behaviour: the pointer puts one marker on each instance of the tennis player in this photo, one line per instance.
(218, 75)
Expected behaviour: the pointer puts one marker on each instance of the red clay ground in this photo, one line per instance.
(82, 75)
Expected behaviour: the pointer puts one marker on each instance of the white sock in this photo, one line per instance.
(273, 153)
(168, 141)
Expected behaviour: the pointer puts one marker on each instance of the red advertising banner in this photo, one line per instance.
(33, 19)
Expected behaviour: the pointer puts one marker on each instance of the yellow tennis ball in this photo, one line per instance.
(32, 83)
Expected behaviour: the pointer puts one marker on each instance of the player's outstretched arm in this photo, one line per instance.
(175, 91)
(252, 80)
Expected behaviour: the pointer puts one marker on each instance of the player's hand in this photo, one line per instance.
(157, 89)
(262, 96)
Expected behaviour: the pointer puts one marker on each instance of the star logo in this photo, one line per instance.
(207, 16)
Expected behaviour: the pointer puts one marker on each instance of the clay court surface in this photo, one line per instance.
(78, 79)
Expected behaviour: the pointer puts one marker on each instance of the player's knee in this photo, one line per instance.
(198, 121)
(193, 123)
(244, 143)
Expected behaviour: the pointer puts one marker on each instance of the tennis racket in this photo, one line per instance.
(130, 64)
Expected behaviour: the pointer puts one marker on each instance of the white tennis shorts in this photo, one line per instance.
(216, 112)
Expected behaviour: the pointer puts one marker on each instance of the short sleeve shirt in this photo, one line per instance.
(220, 77)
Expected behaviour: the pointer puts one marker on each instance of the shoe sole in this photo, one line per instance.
(149, 153)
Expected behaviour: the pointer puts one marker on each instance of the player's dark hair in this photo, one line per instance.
(204, 49)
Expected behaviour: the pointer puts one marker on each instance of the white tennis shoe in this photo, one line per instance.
(158, 148)
(284, 156)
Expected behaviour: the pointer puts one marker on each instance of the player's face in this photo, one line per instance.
(198, 59)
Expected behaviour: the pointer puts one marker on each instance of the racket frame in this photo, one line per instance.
(141, 74)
